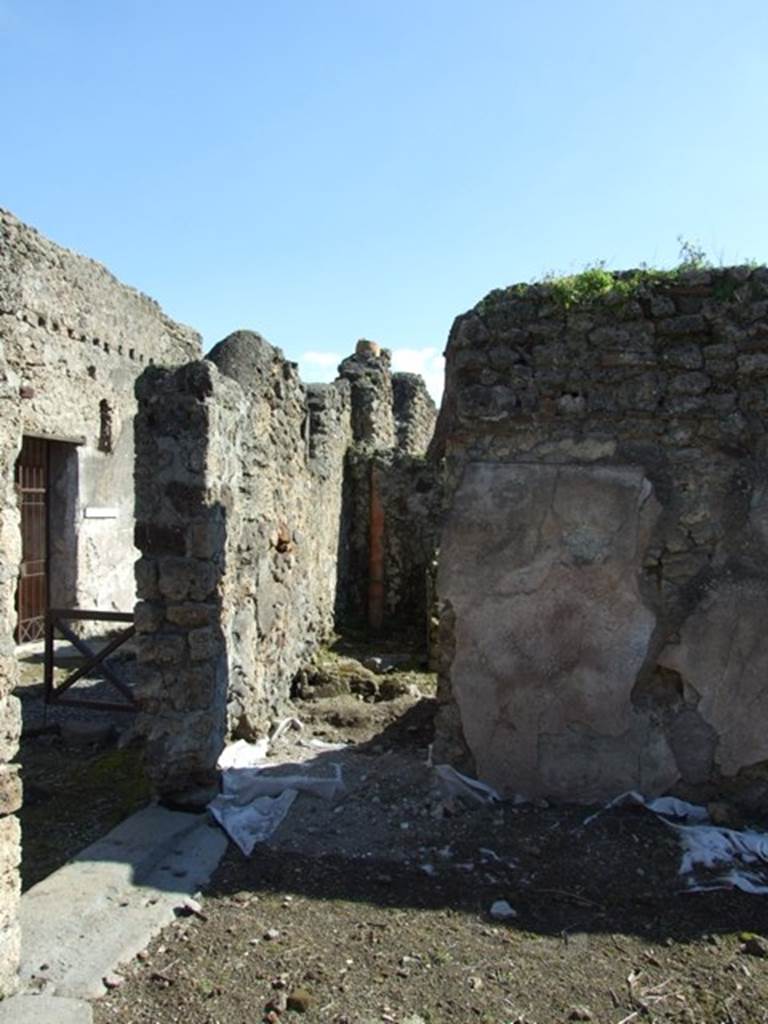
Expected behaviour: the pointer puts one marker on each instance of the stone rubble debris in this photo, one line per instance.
(501, 910)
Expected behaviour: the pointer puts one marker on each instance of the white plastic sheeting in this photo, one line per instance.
(713, 857)
(254, 822)
(453, 785)
(253, 802)
(242, 754)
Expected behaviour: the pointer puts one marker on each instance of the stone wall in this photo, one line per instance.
(392, 495)
(188, 438)
(370, 380)
(10, 713)
(77, 339)
(414, 413)
(603, 571)
(253, 505)
(281, 591)
(410, 490)
(72, 342)
(238, 491)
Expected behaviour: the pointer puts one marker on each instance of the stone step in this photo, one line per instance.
(99, 910)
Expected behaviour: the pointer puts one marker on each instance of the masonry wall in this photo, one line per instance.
(603, 570)
(72, 342)
(281, 591)
(238, 491)
(252, 501)
(414, 413)
(392, 496)
(77, 339)
(10, 709)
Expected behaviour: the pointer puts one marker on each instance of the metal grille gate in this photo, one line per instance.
(32, 489)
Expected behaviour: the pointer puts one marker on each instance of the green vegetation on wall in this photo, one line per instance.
(596, 282)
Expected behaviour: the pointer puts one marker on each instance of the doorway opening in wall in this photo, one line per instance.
(78, 782)
(47, 490)
(32, 473)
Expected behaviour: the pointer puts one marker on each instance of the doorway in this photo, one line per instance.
(47, 490)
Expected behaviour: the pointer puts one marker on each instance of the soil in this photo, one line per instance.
(81, 774)
(376, 907)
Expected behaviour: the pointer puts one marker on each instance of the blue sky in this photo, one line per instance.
(323, 171)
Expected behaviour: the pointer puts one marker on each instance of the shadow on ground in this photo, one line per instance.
(386, 843)
(78, 782)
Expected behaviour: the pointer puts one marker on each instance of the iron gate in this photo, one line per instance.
(32, 489)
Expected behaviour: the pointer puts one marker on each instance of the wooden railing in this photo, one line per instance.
(56, 620)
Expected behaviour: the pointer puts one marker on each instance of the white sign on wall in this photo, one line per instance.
(98, 512)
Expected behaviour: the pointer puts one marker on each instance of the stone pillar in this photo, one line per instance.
(10, 711)
(183, 499)
(370, 378)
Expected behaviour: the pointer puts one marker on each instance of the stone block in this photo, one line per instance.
(204, 643)
(192, 614)
(721, 350)
(159, 538)
(694, 323)
(206, 538)
(753, 363)
(685, 357)
(182, 579)
(196, 687)
(146, 579)
(643, 357)
(9, 670)
(10, 894)
(147, 617)
(10, 727)
(10, 789)
(161, 648)
(685, 405)
(689, 383)
(662, 306)
(609, 337)
(10, 845)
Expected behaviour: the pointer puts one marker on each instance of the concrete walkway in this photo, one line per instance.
(98, 911)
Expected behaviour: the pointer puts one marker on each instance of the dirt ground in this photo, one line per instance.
(376, 907)
(78, 782)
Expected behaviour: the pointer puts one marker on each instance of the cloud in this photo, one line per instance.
(427, 361)
(318, 367)
(321, 359)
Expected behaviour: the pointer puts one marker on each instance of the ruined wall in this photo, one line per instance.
(188, 439)
(77, 339)
(72, 341)
(603, 571)
(414, 413)
(10, 709)
(370, 379)
(238, 505)
(387, 473)
(281, 590)
(410, 489)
